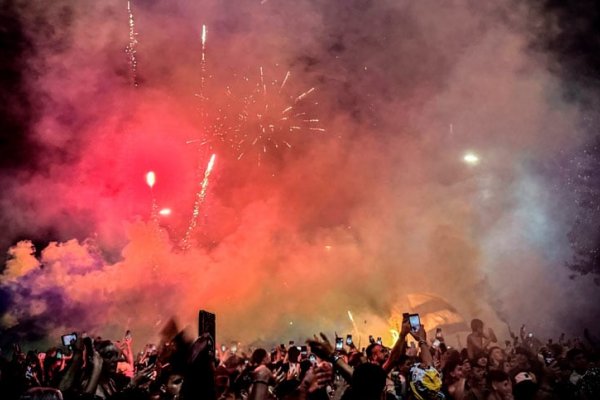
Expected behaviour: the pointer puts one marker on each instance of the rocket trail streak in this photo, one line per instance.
(200, 197)
(202, 141)
(287, 75)
(203, 39)
(203, 65)
(130, 49)
(303, 95)
(150, 181)
(262, 81)
(353, 323)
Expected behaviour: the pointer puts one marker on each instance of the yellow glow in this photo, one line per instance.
(395, 335)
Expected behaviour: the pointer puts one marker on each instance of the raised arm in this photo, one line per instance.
(398, 349)
(324, 350)
(421, 337)
(73, 371)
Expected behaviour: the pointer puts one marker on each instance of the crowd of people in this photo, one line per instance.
(415, 368)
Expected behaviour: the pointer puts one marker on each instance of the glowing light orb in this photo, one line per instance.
(151, 179)
(471, 159)
(165, 212)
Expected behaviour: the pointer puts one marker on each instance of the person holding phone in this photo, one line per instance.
(425, 379)
(126, 367)
(104, 360)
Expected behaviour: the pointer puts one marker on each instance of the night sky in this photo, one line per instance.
(440, 148)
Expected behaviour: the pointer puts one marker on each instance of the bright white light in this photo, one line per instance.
(203, 35)
(471, 159)
(151, 178)
(165, 212)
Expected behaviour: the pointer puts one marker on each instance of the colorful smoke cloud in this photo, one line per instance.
(379, 206)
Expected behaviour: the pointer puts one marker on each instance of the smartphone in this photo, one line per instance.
(415, 322)
(68, 339)
(207, 324)
(312, 358)
(339, 344)
(379, 341)
(152, 359)
(59, 354)
(88, 345)
(128, 335)
(348, 340)
(303, 350)
(436, 343)
(438, 333)
(371, 339)
(223, 348)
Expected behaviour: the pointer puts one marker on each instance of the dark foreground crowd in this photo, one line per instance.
(417, 367)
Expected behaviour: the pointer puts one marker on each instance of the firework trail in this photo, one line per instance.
(353, 323)
(201, 95)
(199, 200)
(131, 47)
(150, 181)
(203, 62)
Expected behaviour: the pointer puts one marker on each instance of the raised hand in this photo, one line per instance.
(419, 335)
(144, 375)
(318, 377)
(321, 348)
(405, 328)
(128, 338)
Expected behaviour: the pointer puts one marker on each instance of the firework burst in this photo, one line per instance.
(260, 116)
